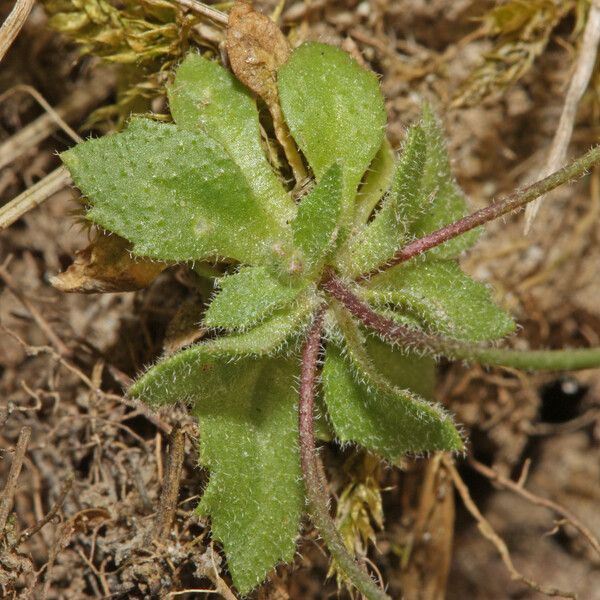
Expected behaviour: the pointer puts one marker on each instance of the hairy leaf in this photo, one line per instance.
(376, 183)
(265, 339)
(403, 369)
(386, 233)
(387, 423)
(316, 226)
(445, 299)
(423, 198)
(255, 495)
(379, 363)
(441, 200)
(257, 48)
(175, 194)
(402, 318)
(206, 96)
(247, 297)
(272, 335)
(334, 109)
(248, 421)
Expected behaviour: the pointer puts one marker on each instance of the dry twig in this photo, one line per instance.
(8, 149)
(488, 532)
(30, 531)
(74, 107)
(518, 489)
(587, 418)
(6, 501)
(34, 196)
(170, 490)
(205, 10)
(142, 408)
(210, 573)
(13, 24)
(577, 87)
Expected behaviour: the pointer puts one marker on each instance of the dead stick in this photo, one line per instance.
(76, 106)
(34, 196)
(6, 502)
(38, 130)
(488, 532)
(170, 490)
(144, 409)
(205, 10)
(30, 531)
(537, 500)
(13, 24)
(579, 83)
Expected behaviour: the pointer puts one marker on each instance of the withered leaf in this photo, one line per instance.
(106, 265)
(256, 49)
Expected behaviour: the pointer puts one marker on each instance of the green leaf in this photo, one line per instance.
(387, 232)
(441, 200)
(272, 335)
(376, 183)
(403, 369)
(401, 318)
(205, 96)
(424, 197)
(444, 299)
(334, 109)
(249, 439)
(390, 369)
(248, 421)
(266, 339)
(389, 423)
(315, 228)
(248, 297)
(176, 195)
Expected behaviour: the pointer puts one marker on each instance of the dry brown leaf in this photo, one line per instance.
(107, 265)
(425, 575)
(257, 48)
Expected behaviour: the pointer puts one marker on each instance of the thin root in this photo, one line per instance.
(489, 534)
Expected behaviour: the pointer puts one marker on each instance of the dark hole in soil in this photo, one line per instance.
(65, 260)
(83, 466)
(141, 426)
(19, 225)
(561, 400)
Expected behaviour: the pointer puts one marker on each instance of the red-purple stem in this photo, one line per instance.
(312, 472)
(515, 201)
(387, 329)
(395, 333)
(308, 379)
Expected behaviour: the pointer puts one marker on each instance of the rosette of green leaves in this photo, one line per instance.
(202, 188)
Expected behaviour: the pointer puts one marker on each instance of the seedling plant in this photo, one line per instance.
(341, 288)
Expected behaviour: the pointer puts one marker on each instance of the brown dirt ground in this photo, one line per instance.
(101, 544)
